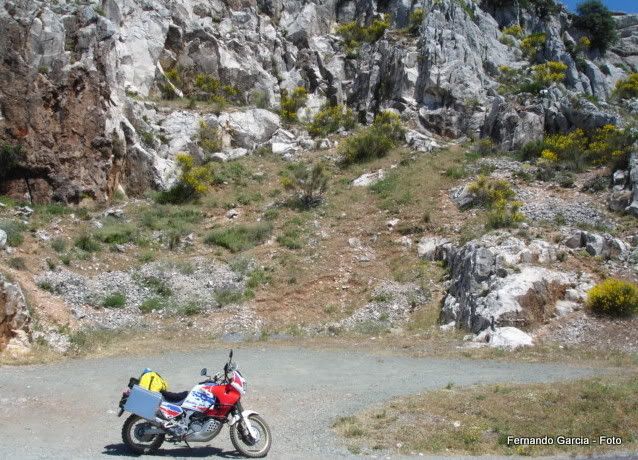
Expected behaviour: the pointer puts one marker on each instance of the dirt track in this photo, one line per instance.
(68, 410)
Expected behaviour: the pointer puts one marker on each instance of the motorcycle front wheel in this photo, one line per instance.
(246, 446)
(135, 439)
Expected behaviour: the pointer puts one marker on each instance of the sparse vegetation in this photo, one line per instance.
(114, 231)
(613, 297)
(477, 421)
(17, 263)
(14, 230)
(87, 243)
(240, 237)
(291, 237)
(375, 141)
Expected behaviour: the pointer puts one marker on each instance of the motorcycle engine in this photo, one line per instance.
(203, 430)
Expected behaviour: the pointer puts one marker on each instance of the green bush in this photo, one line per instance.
(514, 30)
(416, 18)
(627, 88)
(532, 44)
(597, 21)
(374, 141)
(240, 237)
(14, 230)
(330, 119)
(504, 213)
(292, 102)
(152, 304)
(497, 196)
(58, 244)
(613, 297)
(209, 88)
(192, 184)
(17, 263)
(114, 300)
(308, 184)
(174, 76)
(353, 34)
(208, 138)
(189, 309)
(87, 243)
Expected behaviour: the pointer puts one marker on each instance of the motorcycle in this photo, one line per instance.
(197, 415)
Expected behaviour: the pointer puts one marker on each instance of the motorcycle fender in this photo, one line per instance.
(244, 415)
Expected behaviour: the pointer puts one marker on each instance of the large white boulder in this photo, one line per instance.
(250, 127)
(505, 337)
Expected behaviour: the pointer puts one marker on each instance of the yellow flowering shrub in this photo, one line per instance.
(292, 102)
(584, 42)
(489, 190)
(549, 155)
(627, 88)
(549, 72)
(193, 181)
(195, 177)
(613, 297)
(514, 31)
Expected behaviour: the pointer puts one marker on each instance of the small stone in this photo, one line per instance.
(368, 179)
(118, 213)
(232, 214)
(3, 239)
(392, 223)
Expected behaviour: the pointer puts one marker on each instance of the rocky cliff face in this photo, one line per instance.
(75, 79)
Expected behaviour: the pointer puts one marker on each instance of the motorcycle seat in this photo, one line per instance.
(174, 398)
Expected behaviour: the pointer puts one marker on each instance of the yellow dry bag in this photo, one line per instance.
(152, 381)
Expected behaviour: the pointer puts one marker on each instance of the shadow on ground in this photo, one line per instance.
(120, 450)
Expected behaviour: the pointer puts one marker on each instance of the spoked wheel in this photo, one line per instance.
(245, 444)
(135, 437)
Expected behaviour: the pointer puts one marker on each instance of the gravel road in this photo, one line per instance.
(67, 410)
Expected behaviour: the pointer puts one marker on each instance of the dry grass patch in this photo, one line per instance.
(478, 420)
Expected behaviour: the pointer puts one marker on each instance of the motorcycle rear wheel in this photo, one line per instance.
(131, 433)
(246, 448)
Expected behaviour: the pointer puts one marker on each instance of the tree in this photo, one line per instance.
(595, 19)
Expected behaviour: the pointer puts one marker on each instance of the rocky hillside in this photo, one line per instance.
(110, 108)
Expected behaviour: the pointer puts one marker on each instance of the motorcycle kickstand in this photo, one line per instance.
(188, 445)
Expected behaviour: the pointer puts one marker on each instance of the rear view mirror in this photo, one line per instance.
(230, 355)
(204, 372)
